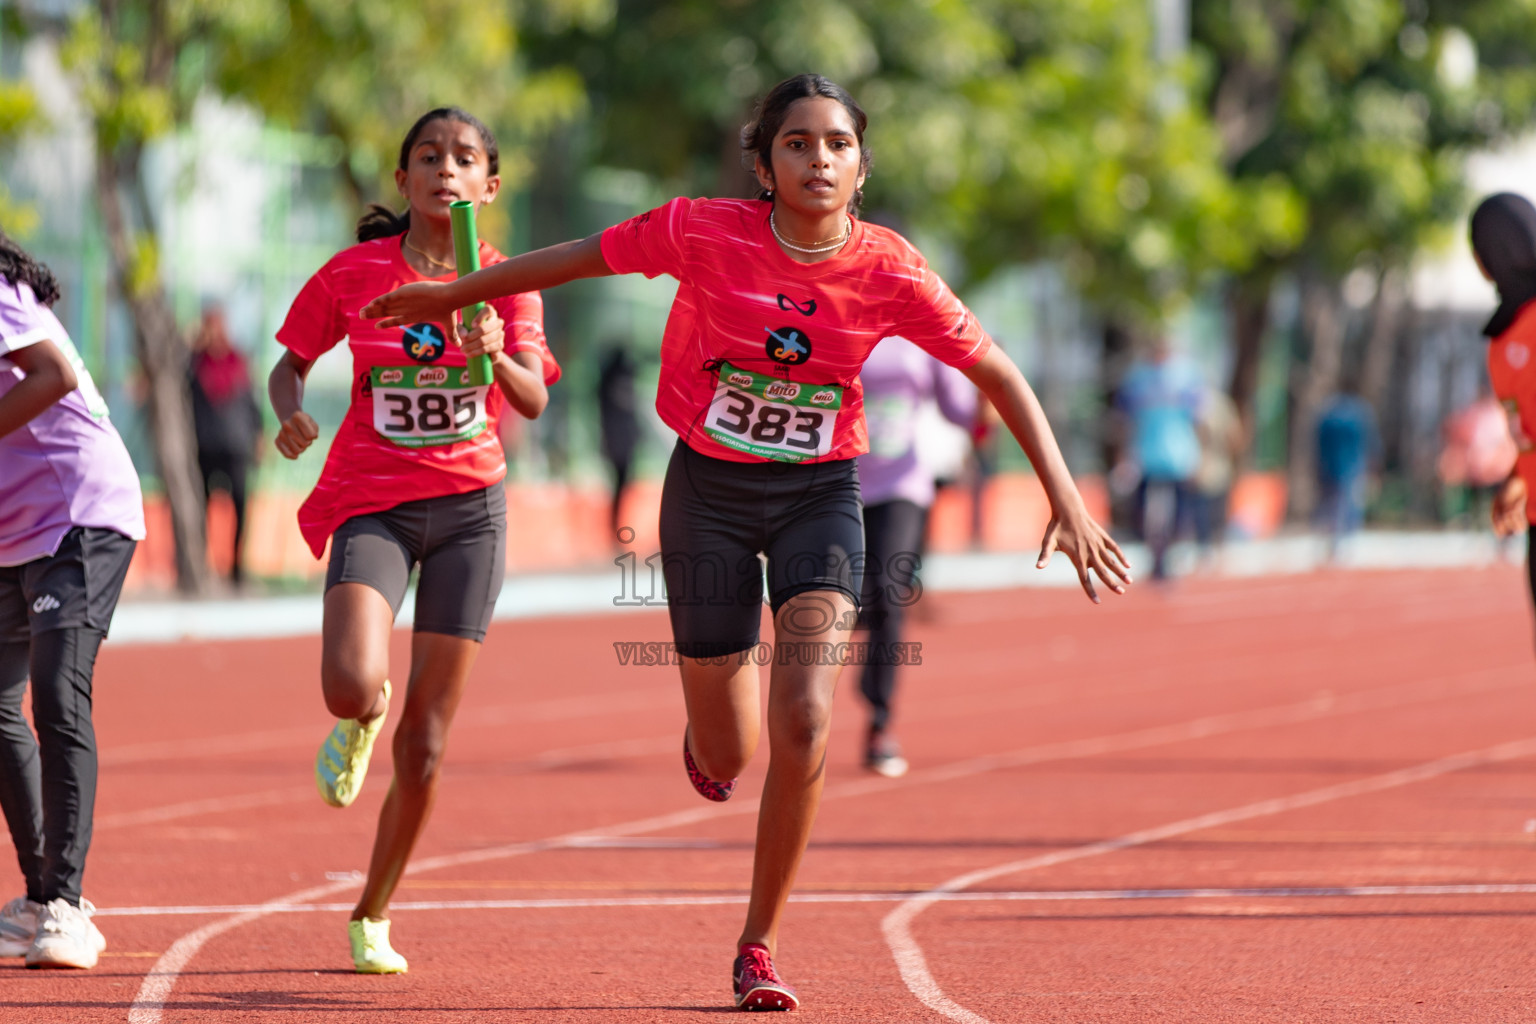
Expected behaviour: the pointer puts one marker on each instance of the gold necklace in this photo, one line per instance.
(406, 240)
(815, 248)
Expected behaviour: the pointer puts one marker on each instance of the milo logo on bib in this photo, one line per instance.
(773, 419)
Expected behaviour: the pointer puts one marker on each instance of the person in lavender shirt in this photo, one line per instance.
(898, 489)
(70, 514)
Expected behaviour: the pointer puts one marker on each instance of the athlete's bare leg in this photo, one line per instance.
(724, 716)
(723, 720)
(354, 651)
(440, 667)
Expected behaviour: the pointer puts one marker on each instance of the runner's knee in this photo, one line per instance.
(418, 755)
(800, 726)
(351, 690)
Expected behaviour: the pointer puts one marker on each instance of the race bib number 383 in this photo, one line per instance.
(423, 406)
(772, 418)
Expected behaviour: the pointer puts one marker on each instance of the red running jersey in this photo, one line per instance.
(415, 428)
(1512, 371)
(760, 359)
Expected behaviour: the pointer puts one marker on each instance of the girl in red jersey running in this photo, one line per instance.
(780, 300)
(413, 477)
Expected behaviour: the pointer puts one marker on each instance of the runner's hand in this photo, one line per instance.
(422, 302)
(1088, 547)
(1508, 510)
(298, 432)
(488, 337)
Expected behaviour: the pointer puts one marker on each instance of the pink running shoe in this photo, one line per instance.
(758, 985)
(708, 788)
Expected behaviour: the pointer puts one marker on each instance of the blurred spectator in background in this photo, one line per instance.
(1348, 445)
(1161, 398)
(617, 420)
(225, 418)
(984, 428)
(898, 488)
(1479, 454)
(1219, 427)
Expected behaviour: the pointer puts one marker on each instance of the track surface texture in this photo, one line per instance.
(1294, 799)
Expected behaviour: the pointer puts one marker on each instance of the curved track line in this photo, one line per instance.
(913, 965)
(161, 979)
(149, 1004)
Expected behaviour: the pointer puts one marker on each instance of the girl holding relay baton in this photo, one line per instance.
(780, 300)
(414, 476)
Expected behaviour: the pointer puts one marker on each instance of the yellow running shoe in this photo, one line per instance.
(371, 951)
(342, 763)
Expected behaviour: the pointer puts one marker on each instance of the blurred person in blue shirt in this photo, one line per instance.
(1348, 445)
(1161, 397)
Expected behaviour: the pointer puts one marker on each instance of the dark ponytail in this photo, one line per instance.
(758, 134)
(19, 268)
(382, 222)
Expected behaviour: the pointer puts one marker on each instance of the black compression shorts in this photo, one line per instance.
(716, 516)
(460, 541)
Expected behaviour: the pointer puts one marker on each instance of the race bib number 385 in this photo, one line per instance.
(422, 406)
(772, 418)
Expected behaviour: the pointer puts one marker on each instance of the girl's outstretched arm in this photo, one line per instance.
(1072, 530)
(436, 301)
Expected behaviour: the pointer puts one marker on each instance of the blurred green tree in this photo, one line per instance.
(19, 113)
(1368, 109)
(1020, 128)
(361, 71)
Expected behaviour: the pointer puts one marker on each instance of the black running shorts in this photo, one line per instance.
(716, 516)
(76, 586)
(460, 540)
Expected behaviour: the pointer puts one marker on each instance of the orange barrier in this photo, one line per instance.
(1257, 506)
(558, 526)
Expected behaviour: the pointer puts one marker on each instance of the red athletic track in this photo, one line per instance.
(1302, 683)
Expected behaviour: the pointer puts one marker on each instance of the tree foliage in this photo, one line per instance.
(1369, 107)
(1022, 128)
(19, 114)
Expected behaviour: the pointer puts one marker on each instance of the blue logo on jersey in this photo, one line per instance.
(788, 345)
(424, 343)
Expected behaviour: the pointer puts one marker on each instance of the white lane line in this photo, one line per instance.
(1024, 896)
(913, 965)
(147, 1008)
(496, 715)
(211, 805)
(293, 794)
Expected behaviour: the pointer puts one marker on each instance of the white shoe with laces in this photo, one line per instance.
(66, 937)
(18, 926)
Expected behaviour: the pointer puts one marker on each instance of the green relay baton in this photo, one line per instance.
(466, 255)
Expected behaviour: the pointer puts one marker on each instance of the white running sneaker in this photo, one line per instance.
(18, 926)
(97, 939)
(65, 937)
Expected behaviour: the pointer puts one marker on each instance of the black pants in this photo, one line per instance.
(54, 613)
(893, 535)
(233, 468)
